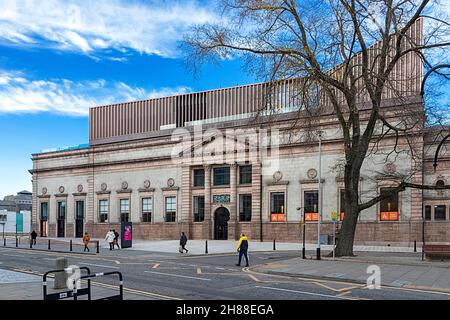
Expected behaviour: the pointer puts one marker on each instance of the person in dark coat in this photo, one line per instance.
(33, 238)
(183, 241)
(116, 239)
(242, 248)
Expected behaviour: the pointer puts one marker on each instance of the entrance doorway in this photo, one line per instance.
(79, 219)
(61, 227)
(221, 217)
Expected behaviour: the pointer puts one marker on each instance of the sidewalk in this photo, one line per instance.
(397, 271)
(195, 247)
(23, 286)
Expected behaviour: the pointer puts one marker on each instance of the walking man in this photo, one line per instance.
(183, 241)
(242, 248)
(86, 240)
(33, 238)
(110, 238)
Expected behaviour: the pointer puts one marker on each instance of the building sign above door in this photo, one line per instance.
(221, 198)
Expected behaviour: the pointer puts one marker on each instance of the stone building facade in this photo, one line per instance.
(212, 165)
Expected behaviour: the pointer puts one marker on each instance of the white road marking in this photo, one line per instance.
(13, 255)
(117, 261)
(156, 266)
(177, 275)
(99, 265)
(305, 292)
(199, 271)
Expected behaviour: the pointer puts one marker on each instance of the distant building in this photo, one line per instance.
(22, 201)
(12, 221)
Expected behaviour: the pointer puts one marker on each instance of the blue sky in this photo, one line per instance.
(58, 58)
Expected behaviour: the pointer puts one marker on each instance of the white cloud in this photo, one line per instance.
(21, 94)
(153, 27)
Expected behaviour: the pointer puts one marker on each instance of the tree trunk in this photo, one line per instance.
(344, 245)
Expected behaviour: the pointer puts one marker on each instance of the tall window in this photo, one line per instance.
(440, 212)
(147, 208)
(103, 208)
(199, 209)
(277, 208)
(61, 210)
(245, 174)
(199, 178)
(221, 176)
(44, 211)
(341, 203)
(389, 205)
(427, 212)
(171, 208)
(79, 210)
(124, 210)
(311, 204)
(245, 207)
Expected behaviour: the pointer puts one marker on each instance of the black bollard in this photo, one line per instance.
(70, 245)
(31, 244)
(4, 242)
(48, 244)
(274, 248)
(206, 247)
(98, 247)
(415, 246)
(17, 243)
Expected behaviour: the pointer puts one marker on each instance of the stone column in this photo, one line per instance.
(186, 211)
(232, 224)
(207, 224)
(256, 201)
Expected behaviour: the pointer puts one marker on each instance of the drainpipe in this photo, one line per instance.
(260, 209)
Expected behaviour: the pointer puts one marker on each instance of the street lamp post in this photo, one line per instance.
(319, 196)
(303, 234)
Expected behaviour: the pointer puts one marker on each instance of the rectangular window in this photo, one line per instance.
(61, 210)
(427, 212)
(147, 208)
(171, 209)
(341, 204)
(245, 207)
(103, 209)
(389, 205)
(199, 209)
(221, 176)
(440, 212)
(79, 210)
(311, 204)
(44, 211)
(124, 210)
(245, 174)
(199, 178)
(277, 208)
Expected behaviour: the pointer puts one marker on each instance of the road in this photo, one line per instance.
(213, 277)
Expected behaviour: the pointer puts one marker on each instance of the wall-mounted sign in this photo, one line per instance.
(389, 216)
(221, 198)
(311, 216)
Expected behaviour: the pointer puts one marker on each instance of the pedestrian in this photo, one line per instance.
(33, 238)
(242, 248)
(183, 241)
(110, 238)
(116, 239)
(86, 239)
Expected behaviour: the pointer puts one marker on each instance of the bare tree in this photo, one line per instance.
(348, 58)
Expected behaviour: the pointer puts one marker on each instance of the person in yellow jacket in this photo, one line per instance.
(242, 248)
(86, 239)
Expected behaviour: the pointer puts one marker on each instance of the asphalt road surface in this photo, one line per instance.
(171, 276)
